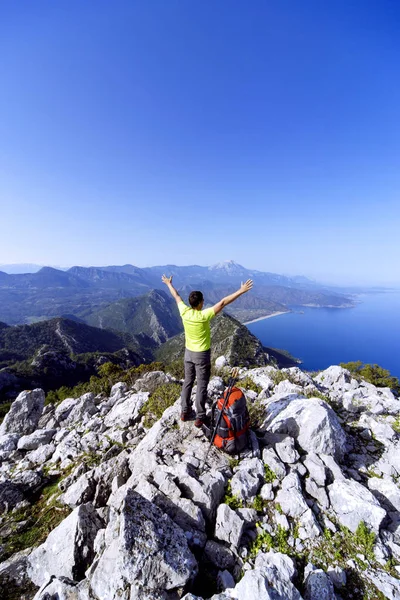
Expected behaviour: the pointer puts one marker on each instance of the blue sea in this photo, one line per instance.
(321, 337)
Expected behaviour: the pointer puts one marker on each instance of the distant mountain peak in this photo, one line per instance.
(229, 266)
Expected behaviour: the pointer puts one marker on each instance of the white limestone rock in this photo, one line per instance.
(290, 497)
(265, 583)
(386, 491)
(286, 450)
(221, 362)
(228, 526)
(36, 439)
(271, 459)
(318, 585)
(8, 443)
(248, 478)
(313, 424)
(316, 468)
(145, 553)
(389, 586)
(24, 413)
(68, 550)
(352, 503)
(125, 413)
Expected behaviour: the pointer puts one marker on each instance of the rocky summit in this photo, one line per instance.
(98, 502)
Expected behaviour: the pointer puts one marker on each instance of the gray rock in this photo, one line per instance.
(80, 492)
(286, 450)
(36, 439)
(225, 580)
(313, 424)
(125, 413)
(316, 468)
(27, 480)
(352, 503)
(228, 526)
(271, 459)
(145, 553)
(389, 586)
(290, 497)
(82, 408)
(151, 381)
(386, 491)
(118, 390)
(219, 555)
(265, 584)
(24, 413)
(10, 496)
(267, 492)
(337, 576)
(317, 492)
(220, 362)
(318, 586)
(68, 550)
(13, 571)
(41, 454)
(248, 478)
(8, 442)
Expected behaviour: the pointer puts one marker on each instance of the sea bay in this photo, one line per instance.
(321, 337)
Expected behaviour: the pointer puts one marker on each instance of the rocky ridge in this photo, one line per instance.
(94, 505)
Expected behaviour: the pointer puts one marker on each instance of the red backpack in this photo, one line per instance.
(233, 429)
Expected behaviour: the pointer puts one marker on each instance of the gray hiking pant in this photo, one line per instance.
(197, 366)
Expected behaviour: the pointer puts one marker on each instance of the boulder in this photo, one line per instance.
(318, 585)
(313, 424)
(265, 583)
(126, 412)
(151, 381)
(228, 526)
(68, 550)
(352, 503)
(386, 491)
(10, 496)
(36, 439)
(145, 553)
(24, 413)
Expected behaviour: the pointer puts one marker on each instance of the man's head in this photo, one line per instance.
(196, 300)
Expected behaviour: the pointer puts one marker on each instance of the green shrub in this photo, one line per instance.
(269, 475)
(278, 376)
(4, 408)
(373, 374)
(365, 539)
(256, 412)
(232, 500)
(163, 397)
(263, 542)
(248, 384)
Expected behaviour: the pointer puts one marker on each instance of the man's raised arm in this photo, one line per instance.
(168, 283)
(245, 287)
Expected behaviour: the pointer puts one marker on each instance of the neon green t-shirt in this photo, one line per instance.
(197, 327)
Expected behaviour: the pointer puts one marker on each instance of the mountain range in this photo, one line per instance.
(80, 291)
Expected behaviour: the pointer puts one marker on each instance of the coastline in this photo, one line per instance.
(275, 314)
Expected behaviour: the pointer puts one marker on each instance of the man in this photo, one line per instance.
(196, 322)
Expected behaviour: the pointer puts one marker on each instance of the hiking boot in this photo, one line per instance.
(200, 421)
(187, 416)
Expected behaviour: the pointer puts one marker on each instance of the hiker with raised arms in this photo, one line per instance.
(196, 323)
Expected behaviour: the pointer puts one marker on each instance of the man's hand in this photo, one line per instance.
(166, 280)
(246, 287)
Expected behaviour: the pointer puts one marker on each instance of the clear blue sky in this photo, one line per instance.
(163, 131)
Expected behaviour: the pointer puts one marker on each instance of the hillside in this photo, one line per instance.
(62, 352)
(154, 314)
(229, 338)
(106, 497)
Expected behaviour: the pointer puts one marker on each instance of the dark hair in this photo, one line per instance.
(195, 298)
